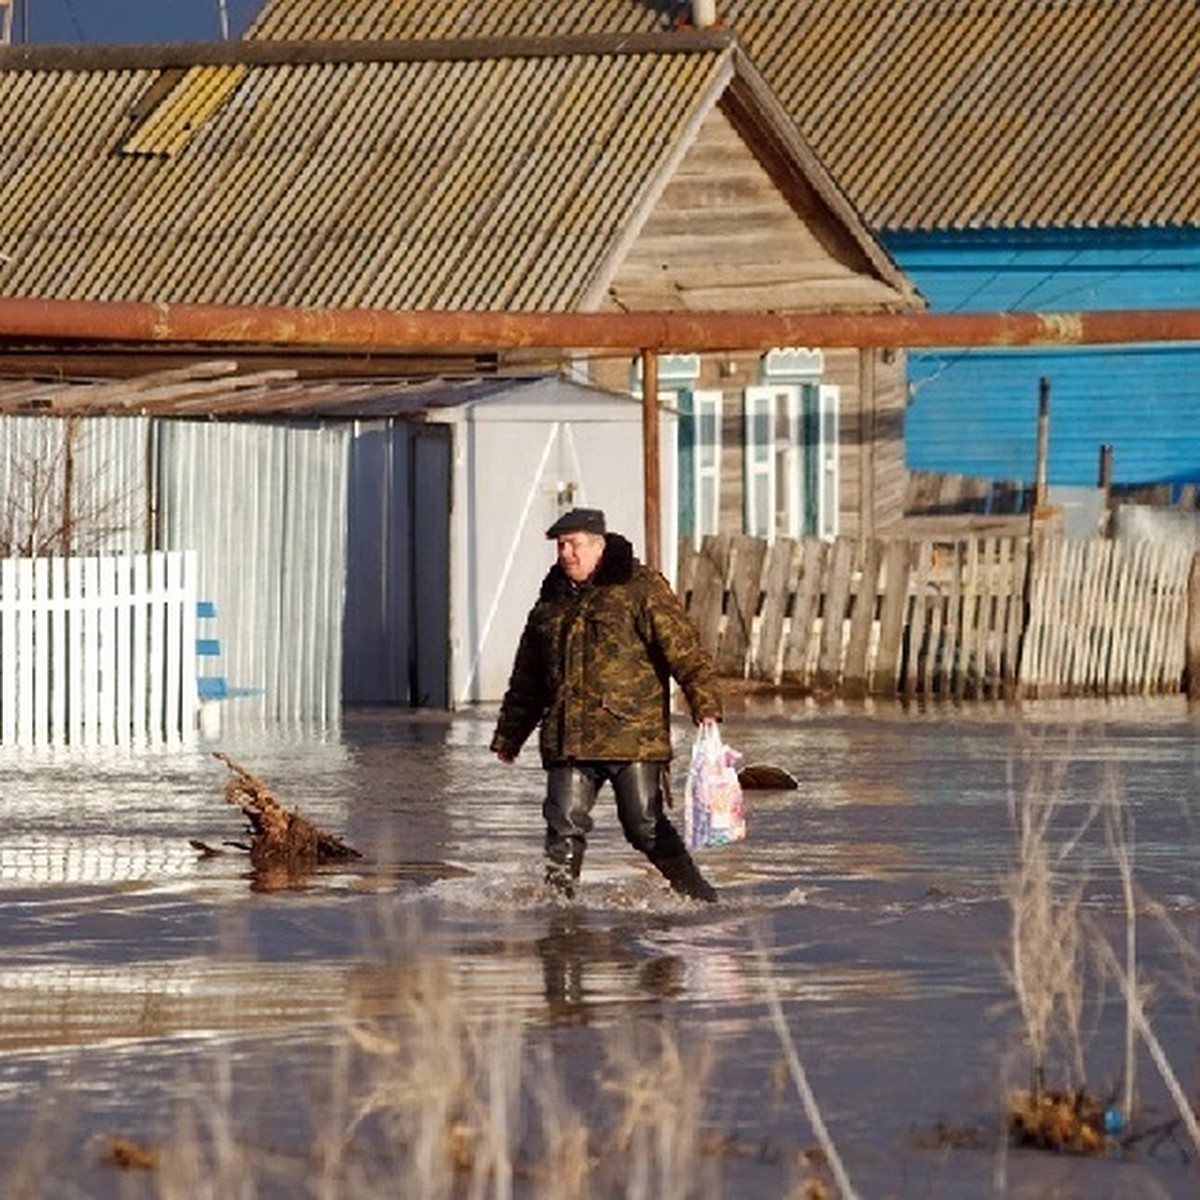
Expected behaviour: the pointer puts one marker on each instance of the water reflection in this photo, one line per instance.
(877, 885)
(584, 967)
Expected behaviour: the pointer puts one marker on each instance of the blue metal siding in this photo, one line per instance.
(975, 412)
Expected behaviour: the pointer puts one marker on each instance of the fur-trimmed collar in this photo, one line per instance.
(615, 566)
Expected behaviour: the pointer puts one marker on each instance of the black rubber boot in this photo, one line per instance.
(564, 861)
(684, 876)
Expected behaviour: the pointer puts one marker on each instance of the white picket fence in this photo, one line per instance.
(98, 651)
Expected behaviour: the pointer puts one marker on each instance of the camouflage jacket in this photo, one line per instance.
(594, 665)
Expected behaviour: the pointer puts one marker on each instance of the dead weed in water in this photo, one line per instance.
(427, 1096)
(1059, 960)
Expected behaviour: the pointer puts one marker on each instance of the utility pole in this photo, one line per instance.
(223, 17)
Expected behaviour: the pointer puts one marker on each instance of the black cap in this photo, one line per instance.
(578, 520)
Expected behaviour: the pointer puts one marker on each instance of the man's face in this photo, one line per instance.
(579, 554)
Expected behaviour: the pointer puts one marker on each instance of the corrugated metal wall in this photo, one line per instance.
(84, 478)
(975, 413)
(265, 507)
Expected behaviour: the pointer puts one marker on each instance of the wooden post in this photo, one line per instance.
(1106, 458)
(651, 474)
(1191, 670)
(868, 390)
(1043, 442)
(1036, 537)
(1106, 461)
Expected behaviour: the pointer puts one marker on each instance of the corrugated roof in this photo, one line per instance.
(470, 175)
(370, 19)
(930, 114)
(182, 109)
(485, 182)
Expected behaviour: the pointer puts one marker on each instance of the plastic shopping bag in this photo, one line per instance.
(714, 811)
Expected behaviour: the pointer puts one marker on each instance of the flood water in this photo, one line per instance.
(859, 950)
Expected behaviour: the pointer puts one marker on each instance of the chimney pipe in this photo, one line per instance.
(704, 13)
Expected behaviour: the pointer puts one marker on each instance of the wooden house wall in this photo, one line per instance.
(880, 444)
(872, 474)
(873, 477)
(723, 236)
(975, 412)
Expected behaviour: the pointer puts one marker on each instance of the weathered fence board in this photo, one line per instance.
(1016, 614)
(972, 618)
(1192, 633)
(743, 588)
(805, 610)
(893, 613)
(1107, 618)
(707, 603)
(833, 619)
(916, 652)
(862, 623)
(783, 562)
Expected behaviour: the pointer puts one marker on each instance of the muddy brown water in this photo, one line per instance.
(871, 900)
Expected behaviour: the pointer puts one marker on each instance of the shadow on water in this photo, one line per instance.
(871, 899)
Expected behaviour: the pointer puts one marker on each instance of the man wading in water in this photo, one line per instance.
(594, 668)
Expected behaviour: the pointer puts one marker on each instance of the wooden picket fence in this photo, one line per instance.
(1107, 617)
(976, 617)
(98, 651)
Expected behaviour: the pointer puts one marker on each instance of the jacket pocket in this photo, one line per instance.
(616, 707)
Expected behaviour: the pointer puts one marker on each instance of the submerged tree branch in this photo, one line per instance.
(280, 839)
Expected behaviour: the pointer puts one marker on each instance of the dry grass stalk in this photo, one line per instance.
(1049, 931)
(567, 1159)
(1047, 963)
(450, 1091)
(427, 1098)
(1153, 1045)
(1119, 831)
(1048, 969)
(423, 1081)
(496, 1104)
(800, 1077)
(658, 1133)
(207, 1157)
(30, 1172)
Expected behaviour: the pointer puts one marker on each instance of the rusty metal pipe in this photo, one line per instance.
(662, 332)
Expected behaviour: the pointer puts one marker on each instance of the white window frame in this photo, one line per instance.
(707, 410)
(829, 504)
(777, 459)
(760, 411)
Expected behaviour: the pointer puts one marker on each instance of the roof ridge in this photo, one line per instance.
(164, 56)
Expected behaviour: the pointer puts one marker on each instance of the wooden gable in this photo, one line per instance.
(723, 235)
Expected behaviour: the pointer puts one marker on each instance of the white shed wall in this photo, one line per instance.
(519, 462)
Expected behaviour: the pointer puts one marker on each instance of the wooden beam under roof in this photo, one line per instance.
(87, 361)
